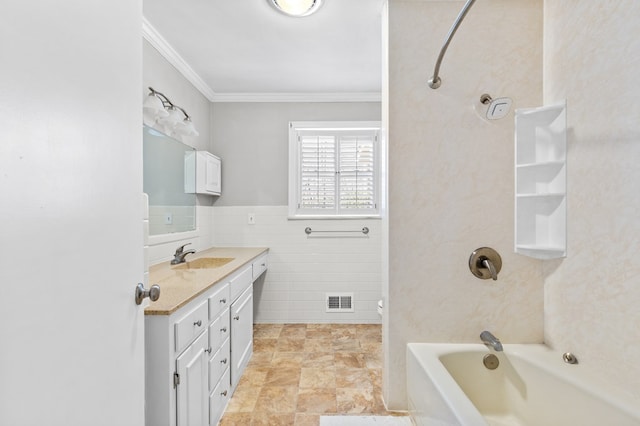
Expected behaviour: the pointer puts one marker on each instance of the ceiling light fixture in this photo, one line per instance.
(297, 8)
(158, 109)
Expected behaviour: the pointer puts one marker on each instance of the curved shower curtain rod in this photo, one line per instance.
(435, 81)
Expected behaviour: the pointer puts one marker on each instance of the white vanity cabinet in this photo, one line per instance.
(196, 354)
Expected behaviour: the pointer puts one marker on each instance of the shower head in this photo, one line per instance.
(497, 108)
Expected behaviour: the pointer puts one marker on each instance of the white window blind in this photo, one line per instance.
(335, 171)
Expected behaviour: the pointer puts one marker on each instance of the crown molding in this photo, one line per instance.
(297, 97)
(169, 53)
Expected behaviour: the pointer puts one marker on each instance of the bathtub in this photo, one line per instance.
(447, 385)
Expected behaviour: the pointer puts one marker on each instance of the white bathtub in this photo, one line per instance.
(448, 384)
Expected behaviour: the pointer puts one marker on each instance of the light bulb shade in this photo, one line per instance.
(153, 107)
(188, 129)
(297, 7)
(173, 118)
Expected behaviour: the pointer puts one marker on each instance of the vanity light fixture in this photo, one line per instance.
(296, 8)
(159, 109)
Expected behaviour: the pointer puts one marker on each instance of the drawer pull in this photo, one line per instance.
(223, 361)
(223, 329)
(198, 323)
(208, 350)
(237, 317)
(223, 300)
(223, 393)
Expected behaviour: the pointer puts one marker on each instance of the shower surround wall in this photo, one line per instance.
(592, 298)
(451, 177)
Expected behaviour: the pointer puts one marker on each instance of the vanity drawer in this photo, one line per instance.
(219, 330)
(241, 282)
(219, 300)
(259, 266)
(219, 363)
(191, 325)
(218, 399)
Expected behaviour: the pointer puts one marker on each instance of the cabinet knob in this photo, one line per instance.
(198, 323)
(223, 300)
(224, 361)
(237, 317)
(223, 329)
(208, 350)
(224, 393)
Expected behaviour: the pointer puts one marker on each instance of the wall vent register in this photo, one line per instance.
(339, 302)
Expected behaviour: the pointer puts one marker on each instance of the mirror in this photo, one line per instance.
(171, 209)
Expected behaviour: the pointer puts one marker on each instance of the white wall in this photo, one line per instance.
(592, 298)
(253, 141)
(451, 177)
(302, 268)
(163, 77)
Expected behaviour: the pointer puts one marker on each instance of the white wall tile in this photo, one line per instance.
(302, 268)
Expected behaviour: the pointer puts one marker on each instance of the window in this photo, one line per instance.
(334, 169)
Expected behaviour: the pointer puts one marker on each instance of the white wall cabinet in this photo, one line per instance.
(196, 355)
(203, 173)
(541, 182)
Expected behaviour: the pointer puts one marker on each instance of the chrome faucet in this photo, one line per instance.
(180, 254)
(491, 340)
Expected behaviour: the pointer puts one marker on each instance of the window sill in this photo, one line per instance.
(325, 217)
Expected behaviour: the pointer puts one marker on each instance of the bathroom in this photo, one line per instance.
(68, 161)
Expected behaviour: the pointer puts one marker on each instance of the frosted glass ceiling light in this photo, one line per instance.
(159, 109)
(297, 7)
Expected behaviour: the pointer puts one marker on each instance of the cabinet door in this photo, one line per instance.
(212, 175)
(193, 390)
(241, 334)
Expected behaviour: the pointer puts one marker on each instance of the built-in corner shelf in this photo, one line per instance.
(541, 182)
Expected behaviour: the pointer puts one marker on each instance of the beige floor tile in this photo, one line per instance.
(351, 401)
(270, 419)
(264, 345)
(349, 360)
(303, 419)
(277, 399)
(236, 419)
(318, 345)
(282, 377)
(316, 400)
(287, 360)
(290, 345)
(244, 400)
(259, 359)
(317, 378)
(299, 372)
(357, 378)
(318, 360)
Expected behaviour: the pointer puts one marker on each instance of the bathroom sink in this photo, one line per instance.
(205, 263)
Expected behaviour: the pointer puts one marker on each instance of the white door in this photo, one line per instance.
(71, 336)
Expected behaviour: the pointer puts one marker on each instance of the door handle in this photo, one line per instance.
(153, 293)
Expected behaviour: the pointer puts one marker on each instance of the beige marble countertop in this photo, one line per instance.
(179, 286)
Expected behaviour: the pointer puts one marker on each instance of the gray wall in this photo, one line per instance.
(252, 141)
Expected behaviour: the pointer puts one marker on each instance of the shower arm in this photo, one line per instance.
(435, 81)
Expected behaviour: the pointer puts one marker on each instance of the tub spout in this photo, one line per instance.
(491, 340)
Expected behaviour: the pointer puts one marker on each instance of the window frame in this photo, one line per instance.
(325, 128)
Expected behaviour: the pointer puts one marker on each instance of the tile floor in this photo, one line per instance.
(299, 372)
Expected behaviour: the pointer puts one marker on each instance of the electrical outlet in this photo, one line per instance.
(251, 219)
(168, 218)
